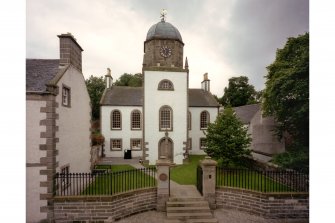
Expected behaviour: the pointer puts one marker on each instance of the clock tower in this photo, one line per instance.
(165, 94)
(163, 46)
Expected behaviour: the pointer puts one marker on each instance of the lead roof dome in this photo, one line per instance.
(163, 30)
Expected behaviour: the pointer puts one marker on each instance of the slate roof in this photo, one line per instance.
(247, 112)
(123, 96)
(163, 30)
(39, 72)
(133, 96)
(201, 98)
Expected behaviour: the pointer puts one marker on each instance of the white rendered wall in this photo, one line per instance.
(33, 130)
(33, 155)
(153, 100)
(74, 124)
(125, 133)
(196, 133)
(33, 191)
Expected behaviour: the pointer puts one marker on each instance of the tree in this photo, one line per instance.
(286, 98)
(239, 92)
(129, 80)
(227, 139)
(216, 98)
(95, 87)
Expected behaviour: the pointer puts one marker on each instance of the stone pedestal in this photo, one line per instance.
(208, 180)
(163, 182)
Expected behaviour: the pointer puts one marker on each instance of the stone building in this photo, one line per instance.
(58, 118)
(164, 116)
(265, 143)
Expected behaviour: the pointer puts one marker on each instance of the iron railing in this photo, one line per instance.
(263, 181)
(103, 182)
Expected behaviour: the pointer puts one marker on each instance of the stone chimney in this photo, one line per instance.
(205, 84)
(108, 78)
(70, 51)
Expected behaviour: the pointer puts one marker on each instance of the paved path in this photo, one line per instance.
(177, 190)
(118, 161)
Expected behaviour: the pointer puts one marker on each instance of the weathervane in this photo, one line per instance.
(163, 14)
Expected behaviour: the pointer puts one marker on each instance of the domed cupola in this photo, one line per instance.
(163, 46)
(164, 30)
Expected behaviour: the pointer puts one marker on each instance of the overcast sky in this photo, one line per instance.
(225, 38)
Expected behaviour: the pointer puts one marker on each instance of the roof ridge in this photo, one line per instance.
(126, 86)
(40, 59)
(248, 105)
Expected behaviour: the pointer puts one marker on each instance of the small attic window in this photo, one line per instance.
(165, 85)
(66, 96)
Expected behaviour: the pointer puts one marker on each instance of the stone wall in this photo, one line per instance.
(41, 153)
(268, 205)
(104, 208)
(152, 53)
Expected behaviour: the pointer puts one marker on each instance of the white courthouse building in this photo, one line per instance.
(164, 117)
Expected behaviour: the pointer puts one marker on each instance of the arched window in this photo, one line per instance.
(135, 120)
(116, 119)
(204, 119)
(189, 120)
(165, 85)
(165, 118)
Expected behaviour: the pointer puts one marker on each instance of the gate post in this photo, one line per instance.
(163, 182)
(209, 180)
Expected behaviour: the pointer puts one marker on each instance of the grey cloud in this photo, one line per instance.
(258, 28)
(243, 35)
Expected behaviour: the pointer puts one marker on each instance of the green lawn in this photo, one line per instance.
(122, 178)
(251, 180)
(186, 174)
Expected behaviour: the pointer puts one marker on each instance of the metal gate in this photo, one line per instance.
(169, 182)
(199, 179)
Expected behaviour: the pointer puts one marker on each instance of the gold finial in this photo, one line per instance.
(163, 15)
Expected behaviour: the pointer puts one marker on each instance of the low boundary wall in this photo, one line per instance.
(104, 208)
(267, 205)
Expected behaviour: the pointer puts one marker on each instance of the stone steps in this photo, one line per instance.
(188, 210)
(186, 203)
(189, 215)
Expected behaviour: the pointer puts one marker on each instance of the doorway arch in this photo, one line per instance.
(165, 148)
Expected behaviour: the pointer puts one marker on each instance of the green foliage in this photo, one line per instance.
(286, 96)
(95, 87)
(216, 98)
(296, 157)
(239, 92)
(227, 139)
(129, 80)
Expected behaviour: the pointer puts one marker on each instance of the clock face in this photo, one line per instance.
(165, 51)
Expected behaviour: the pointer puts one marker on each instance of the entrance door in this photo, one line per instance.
(166, 148)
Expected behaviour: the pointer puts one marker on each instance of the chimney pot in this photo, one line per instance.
(205, 84)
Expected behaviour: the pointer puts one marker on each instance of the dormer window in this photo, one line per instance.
(165, 85)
